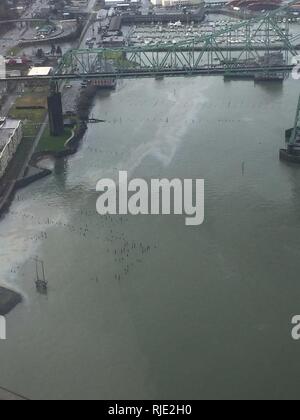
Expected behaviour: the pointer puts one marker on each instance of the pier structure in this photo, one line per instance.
(40, 282)
(292, 136)
(55, 111)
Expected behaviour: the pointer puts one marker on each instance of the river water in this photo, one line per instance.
(185, 312)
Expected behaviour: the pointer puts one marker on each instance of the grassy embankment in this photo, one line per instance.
(31, 108)
(53, 144)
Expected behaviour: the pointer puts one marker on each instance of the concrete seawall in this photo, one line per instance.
(32, 177)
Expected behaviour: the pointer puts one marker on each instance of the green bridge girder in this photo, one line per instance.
(207, 53)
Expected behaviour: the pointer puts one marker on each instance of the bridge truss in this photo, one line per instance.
(247, 46)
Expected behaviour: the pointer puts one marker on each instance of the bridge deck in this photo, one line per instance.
(139, 73)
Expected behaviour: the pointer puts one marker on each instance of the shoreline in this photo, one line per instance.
(22, 180)
(70, 148)
(35, 173)
(9, 299)
(31, 173)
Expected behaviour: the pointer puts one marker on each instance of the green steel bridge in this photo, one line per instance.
(208, 54)
(246, 47)
(213, 53)
(291, 153)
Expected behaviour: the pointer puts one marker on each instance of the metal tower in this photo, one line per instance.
(292, 137)
(295, 136)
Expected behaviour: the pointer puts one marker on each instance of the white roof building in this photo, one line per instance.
(170, 3)
(40, 71)
(113, 3)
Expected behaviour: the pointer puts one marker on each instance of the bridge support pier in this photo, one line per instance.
(292, 138)
(290, 154)
(55, 111)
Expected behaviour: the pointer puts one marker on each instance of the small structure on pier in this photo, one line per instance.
(41, 283)
(292, 136)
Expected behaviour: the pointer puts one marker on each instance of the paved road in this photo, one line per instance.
(12, 37)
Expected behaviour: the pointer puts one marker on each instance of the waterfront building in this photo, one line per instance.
(114, 3)
(122, 4)
(10, 137)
